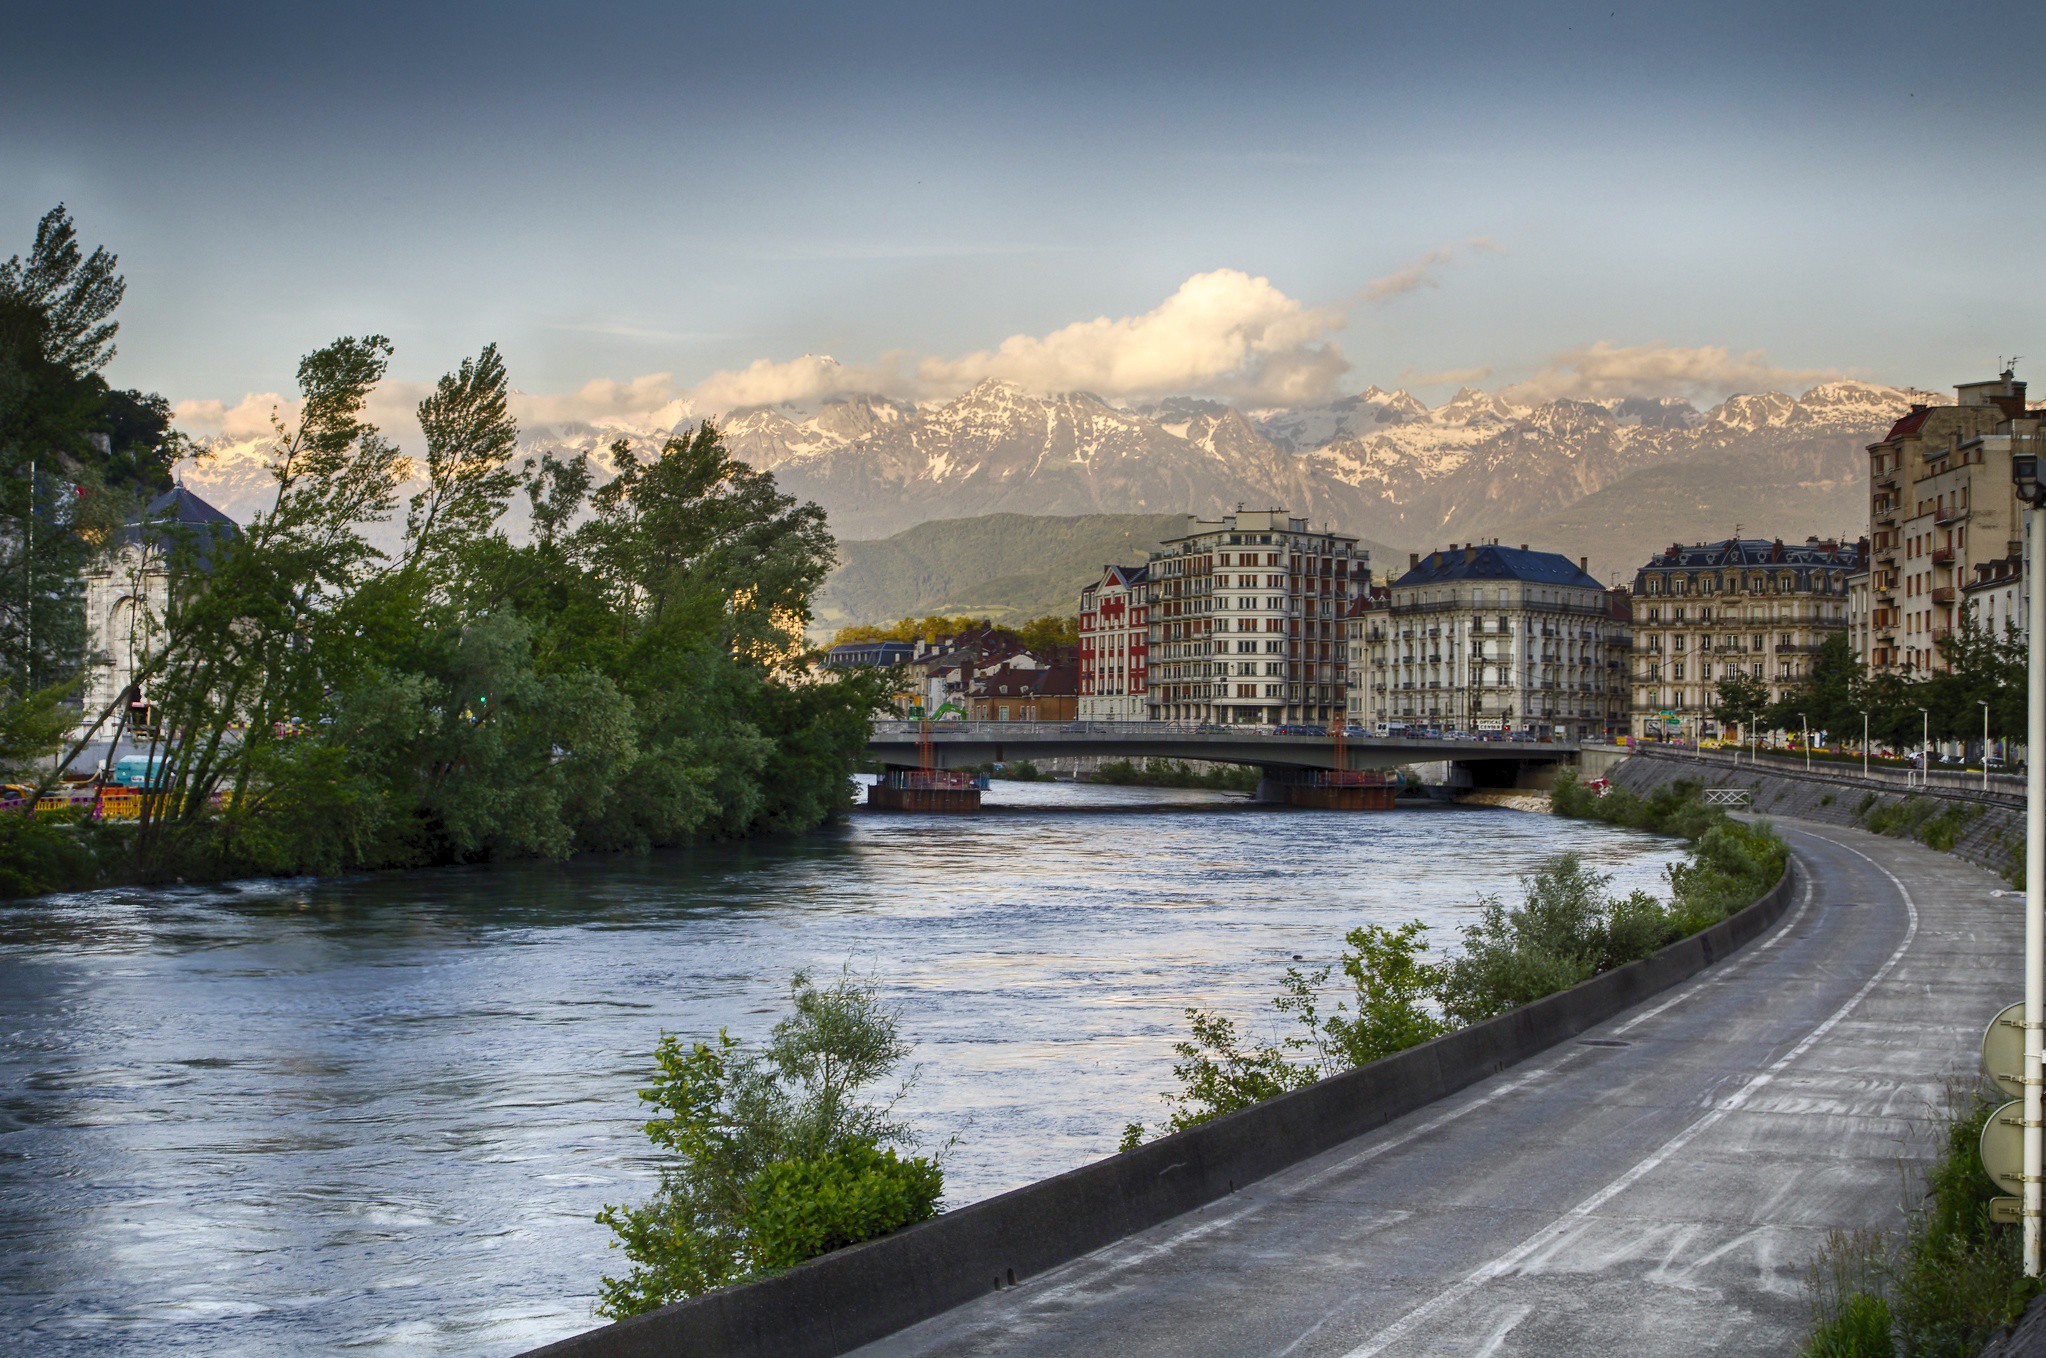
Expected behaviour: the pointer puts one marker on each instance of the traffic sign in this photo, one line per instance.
(2003, 1146)
(2003, 1050)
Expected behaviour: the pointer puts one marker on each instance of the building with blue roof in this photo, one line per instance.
(1485, 639)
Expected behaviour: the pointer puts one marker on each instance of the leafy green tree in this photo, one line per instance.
(1050, 632)
(1825, 696)
(75, 455)
(1394, 992)
(775, 1155)
(1742, 702)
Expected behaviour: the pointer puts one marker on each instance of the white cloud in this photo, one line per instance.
(1608, 371)
(1223, 331)
(246, 418)
(649, 400)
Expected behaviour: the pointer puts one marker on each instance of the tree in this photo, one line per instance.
(1050, 633)
(1742, 702)
(1826, 696)
(75, 455)
(774, 1155)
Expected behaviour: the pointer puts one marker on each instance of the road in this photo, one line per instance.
(1654, 1187)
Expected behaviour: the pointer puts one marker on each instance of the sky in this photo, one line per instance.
(669, 208)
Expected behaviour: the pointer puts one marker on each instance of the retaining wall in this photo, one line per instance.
(1994, 837)
(863, 1293)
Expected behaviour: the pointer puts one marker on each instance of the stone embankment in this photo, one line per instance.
(1988, 828)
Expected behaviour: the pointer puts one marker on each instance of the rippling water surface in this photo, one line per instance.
(378, 1114)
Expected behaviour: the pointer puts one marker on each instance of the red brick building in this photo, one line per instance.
(1113, 618)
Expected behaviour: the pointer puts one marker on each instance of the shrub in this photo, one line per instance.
(799, 1209)
(1569, 928)
(776, 1155)
(44, 854)
(1951, 1282)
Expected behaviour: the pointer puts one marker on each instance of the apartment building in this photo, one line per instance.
(1483, 638)
(1244, 620)
(1940, 504)
(1113, 638)
(1742, 607)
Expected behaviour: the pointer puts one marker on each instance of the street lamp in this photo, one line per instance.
(1864, 745)
(1805, 725)
(2024, 474)
(1983, 703)
(1925, 748)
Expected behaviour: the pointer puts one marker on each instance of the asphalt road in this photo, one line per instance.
(1653, 1187)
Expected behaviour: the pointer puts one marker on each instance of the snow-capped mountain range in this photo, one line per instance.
(1383, 465)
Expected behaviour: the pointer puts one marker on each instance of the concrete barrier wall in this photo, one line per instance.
(857, 1295)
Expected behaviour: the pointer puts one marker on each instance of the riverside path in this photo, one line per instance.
(1654, 1186)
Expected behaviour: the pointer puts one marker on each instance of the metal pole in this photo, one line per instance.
(1985, 744)
(1804, 722)
(1925, 748)
(1864, 745)
(2035, 888)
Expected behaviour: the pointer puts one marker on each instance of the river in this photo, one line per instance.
(376, 1114)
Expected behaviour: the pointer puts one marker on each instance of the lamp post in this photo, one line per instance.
(2024, 471)
(1925, 748)
(1864, 745)
(1805, 725)
(1983, 703)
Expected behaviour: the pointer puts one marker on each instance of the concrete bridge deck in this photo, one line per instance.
(960, 744)
(1654, 1187)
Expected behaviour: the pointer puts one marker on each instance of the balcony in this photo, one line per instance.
(1951, 516)
(1943, 594)
(1943, 556)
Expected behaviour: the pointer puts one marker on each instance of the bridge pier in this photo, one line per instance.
(925, 790)
(1328, 789)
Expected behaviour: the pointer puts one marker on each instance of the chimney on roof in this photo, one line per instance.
(1582, 566)
(1413, 561)
(1470, 553)
(1523, 546)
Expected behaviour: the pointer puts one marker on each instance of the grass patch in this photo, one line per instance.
(1948, 1284)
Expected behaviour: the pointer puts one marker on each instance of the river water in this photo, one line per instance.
(377, 1114)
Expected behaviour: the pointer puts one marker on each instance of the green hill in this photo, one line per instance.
(1008, 567)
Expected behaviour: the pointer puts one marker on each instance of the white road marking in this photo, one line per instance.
(1577, 1215)
(1494, 1340)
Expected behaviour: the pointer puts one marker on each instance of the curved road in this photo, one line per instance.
(1653, 1187)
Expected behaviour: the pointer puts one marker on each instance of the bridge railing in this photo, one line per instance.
(898, 729)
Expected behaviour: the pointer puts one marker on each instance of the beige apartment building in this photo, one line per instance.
(1244, 620)
(1743, 607)
(1484, 638)
(1941, 504)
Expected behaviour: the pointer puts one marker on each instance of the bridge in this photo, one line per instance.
(965, 744)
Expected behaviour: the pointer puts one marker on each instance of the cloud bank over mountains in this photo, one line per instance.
(1223, 334)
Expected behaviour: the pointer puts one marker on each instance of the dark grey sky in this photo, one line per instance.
(618, 190)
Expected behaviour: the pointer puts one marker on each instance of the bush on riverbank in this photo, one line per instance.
(1948, 1284)
(1569, 927)
(1177, 773)
(776, 1155)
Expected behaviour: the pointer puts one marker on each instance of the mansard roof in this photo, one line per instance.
(1489, 561)
(176, 509)
(1757, 552)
